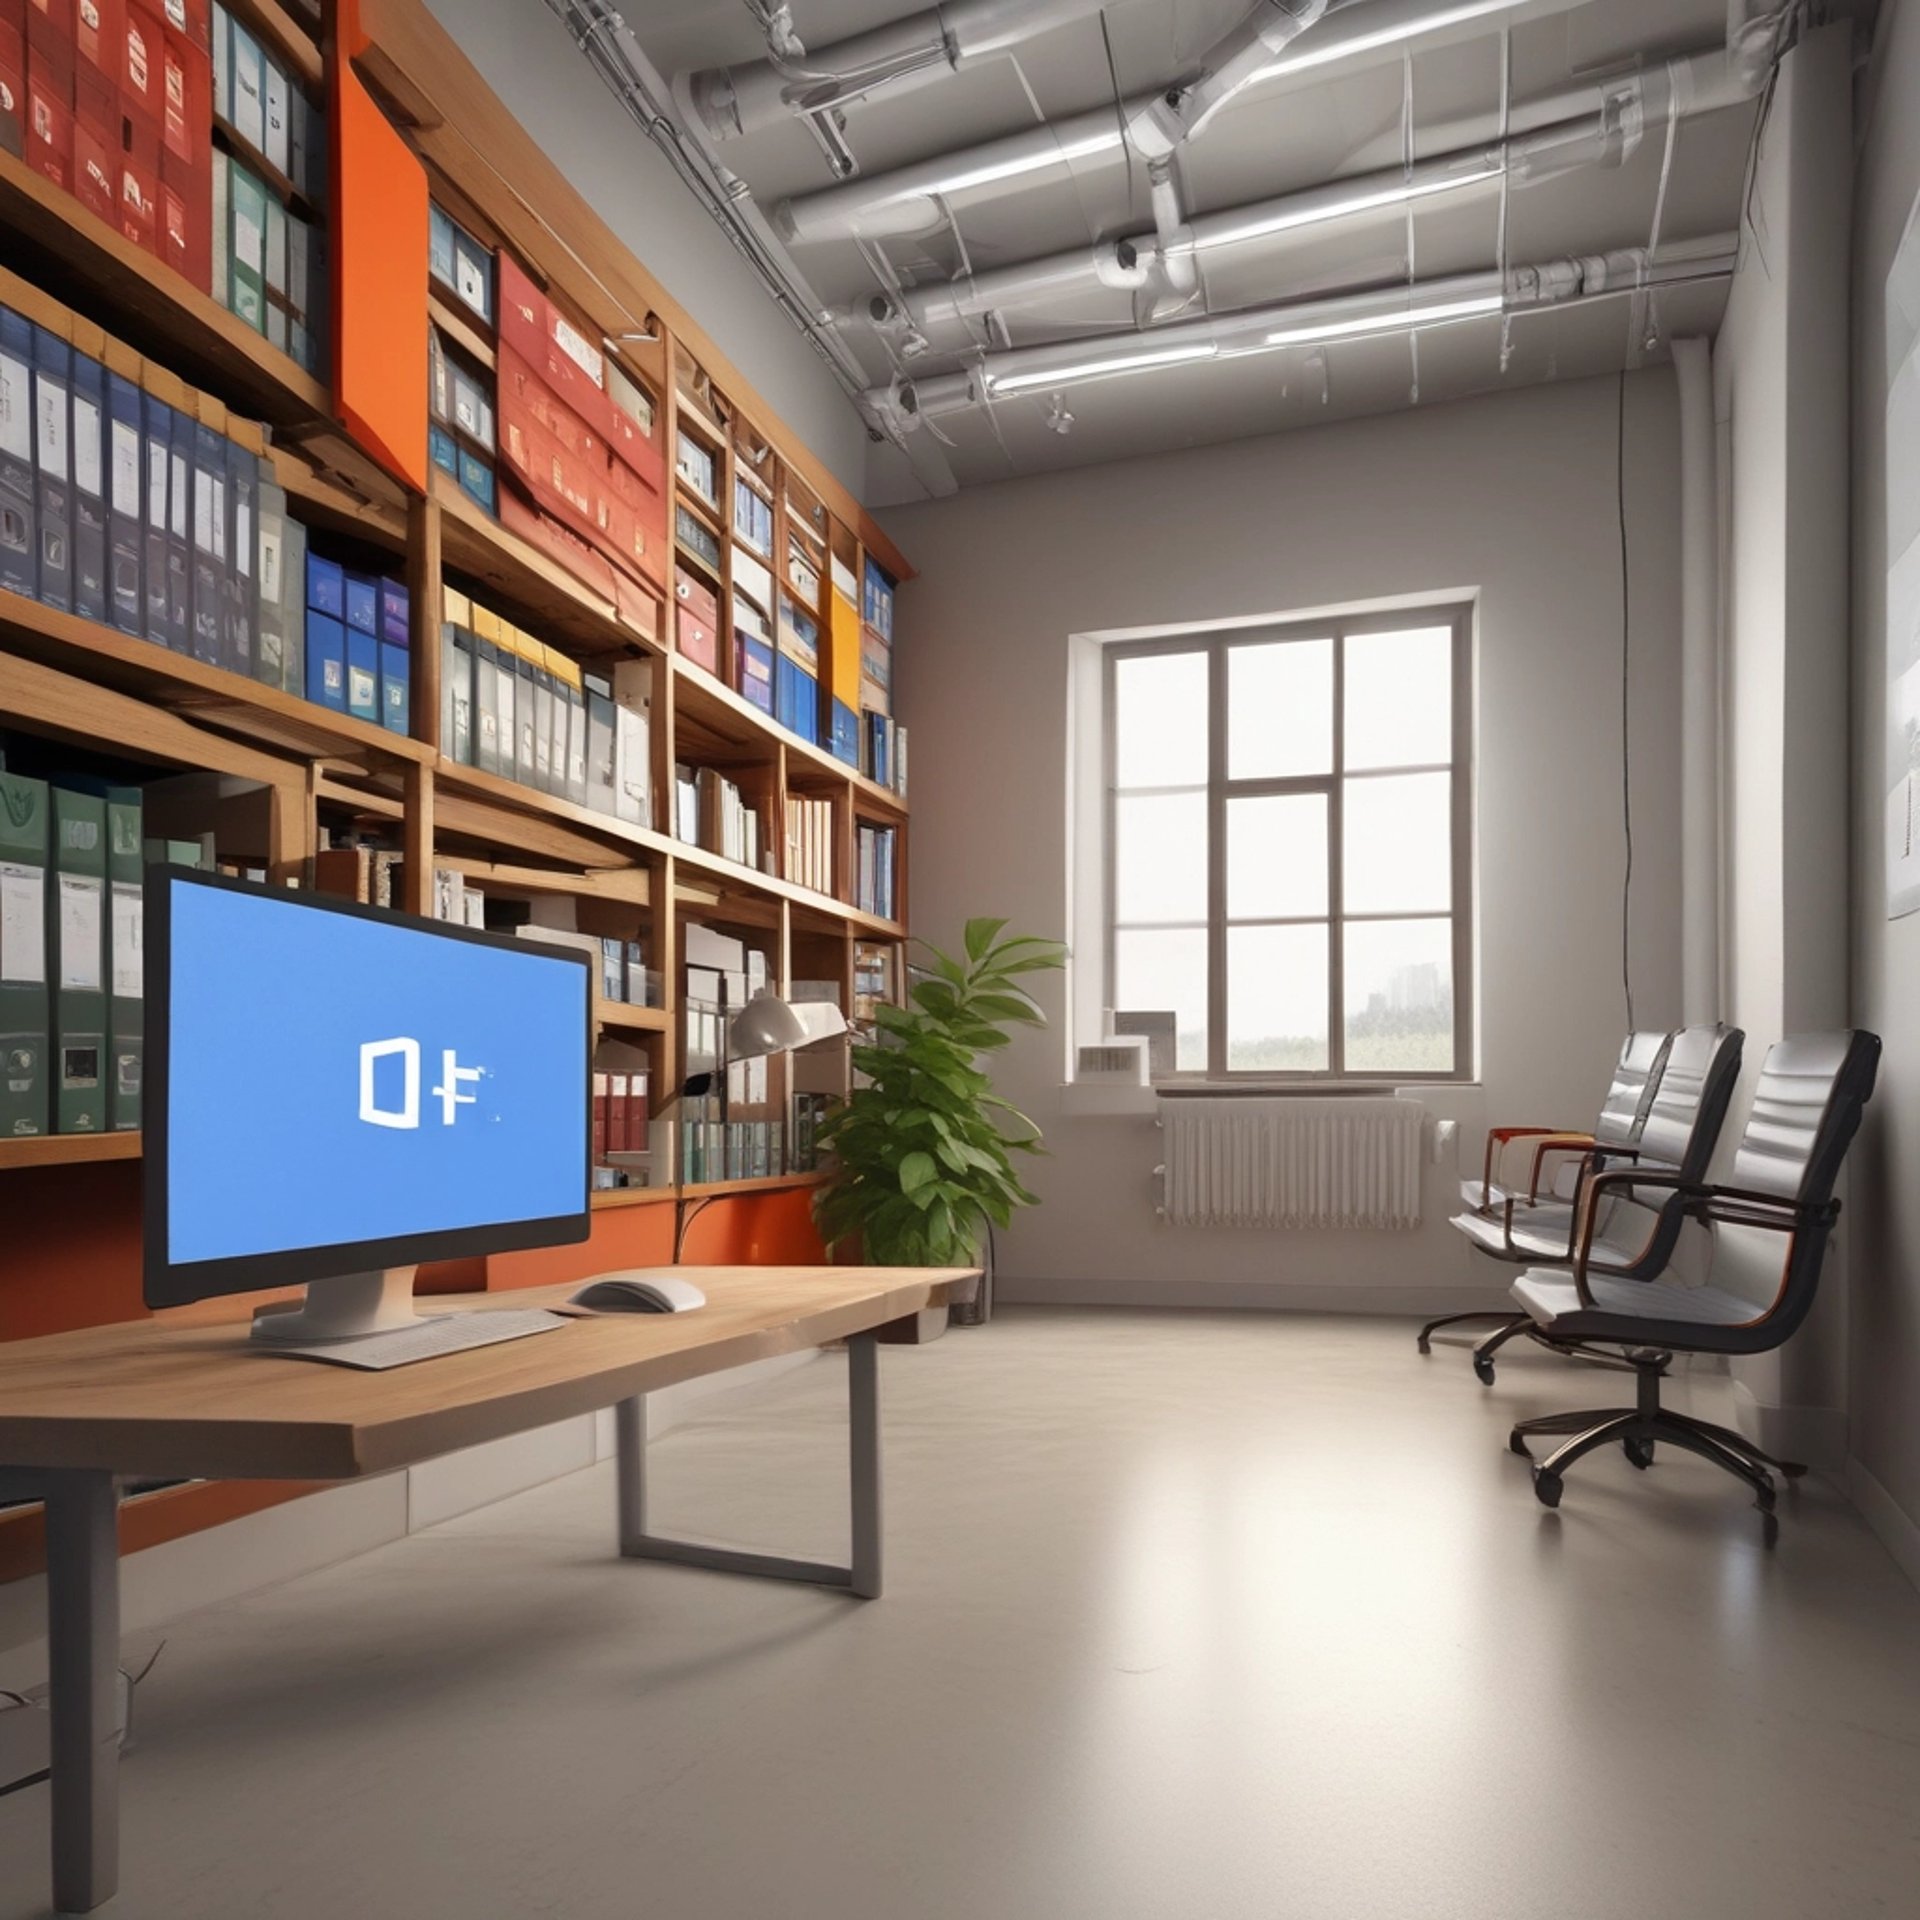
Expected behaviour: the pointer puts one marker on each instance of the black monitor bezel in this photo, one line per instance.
(168, 1283)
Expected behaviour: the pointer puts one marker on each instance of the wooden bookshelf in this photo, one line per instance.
(67, 1150)
(113, 698)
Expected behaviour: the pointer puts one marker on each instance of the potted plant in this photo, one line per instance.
(925, 1149)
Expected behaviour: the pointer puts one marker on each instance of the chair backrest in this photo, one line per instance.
(1806, 1110)
(1636, 1077)
(1689, 1105)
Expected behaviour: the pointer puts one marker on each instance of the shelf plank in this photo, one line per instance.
(618, 1013)
(154, 309)
(460, 329)
(771, 1183)
(212, 696)
(556, 603)
(68, 1149)
(633, 1197)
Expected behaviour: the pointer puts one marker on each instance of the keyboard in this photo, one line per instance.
(449, 1333)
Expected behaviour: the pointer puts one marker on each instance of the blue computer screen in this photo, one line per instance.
(333, 1078)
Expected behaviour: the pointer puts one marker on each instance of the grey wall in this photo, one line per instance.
(526, 56)
(1511, 497)
(1885, 1318)
(1780, 379)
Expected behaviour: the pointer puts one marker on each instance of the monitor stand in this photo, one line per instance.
(345, 1306)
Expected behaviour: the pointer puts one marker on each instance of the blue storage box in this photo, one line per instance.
(326, 587)
(326, 660)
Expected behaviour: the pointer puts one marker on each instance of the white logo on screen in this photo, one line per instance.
(405, 1116)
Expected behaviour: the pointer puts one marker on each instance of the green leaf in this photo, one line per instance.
(916, 1169)
(980, 935)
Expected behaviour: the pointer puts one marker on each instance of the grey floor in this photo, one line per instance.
(1188, 1618)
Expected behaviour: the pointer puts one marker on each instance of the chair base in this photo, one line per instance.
(1510, 1326)
(1642, 1427)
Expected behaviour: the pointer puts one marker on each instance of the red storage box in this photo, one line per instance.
(96, 143)
(186, 101)
(194, 18)
(98, 29)
(186, 218)
(140, 185)
(51, 24)
(49, 129)
(142, 75)
(697, 622)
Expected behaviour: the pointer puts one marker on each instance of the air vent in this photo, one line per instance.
(1114, 1063)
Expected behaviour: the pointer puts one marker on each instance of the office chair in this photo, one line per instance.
(1806, 1111)
(1686, 1108)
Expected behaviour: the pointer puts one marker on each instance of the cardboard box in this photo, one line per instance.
(96, 143)
(186, 100)
(143, 79)
(49, 130)
(13, 77)
(140, 185)
(98, 27)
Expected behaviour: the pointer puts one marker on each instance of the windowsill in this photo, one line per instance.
(1092, 1099)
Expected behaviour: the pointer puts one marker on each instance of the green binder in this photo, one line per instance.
(77, 961)
(23, 956)
(126, 1007)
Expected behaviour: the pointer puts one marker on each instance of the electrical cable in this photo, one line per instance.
(1626, 704)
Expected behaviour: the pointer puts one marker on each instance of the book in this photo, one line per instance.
(24, 1004)
(77, 959)
(53, 469)
(18, 514)
(89, 403)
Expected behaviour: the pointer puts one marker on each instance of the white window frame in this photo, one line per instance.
(1454, 614)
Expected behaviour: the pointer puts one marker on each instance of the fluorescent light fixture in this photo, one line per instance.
(1317, 52)
(1009, 167)
(998, 383)
(1396, 320)
(1395, 193)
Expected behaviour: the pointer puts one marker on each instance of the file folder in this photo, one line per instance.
(270, 552)
(326, 662)
(519, 718)
(89, 488)
(242, 590)
(77, 960)
(126, 1013)
(18, 542)
(486, 708)
(363, 674)
(601, 791)
(456, 694)
(209, 482)
(126, 532)
(53, 468)
(180, 464)
(24, 1004)
(293, 607)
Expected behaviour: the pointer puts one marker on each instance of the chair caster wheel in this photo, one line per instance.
(1517, 1443)
(1423, 1343)
(1546, 1487)
(1483, 1369)
(1639, 1452)
(1769, 1530)
(1764, 1500)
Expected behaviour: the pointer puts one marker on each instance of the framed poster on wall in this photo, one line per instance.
(1903, 575)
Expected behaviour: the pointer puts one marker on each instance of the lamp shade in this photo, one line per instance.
(767, 1024)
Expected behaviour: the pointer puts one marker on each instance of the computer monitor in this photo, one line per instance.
(335, 1093)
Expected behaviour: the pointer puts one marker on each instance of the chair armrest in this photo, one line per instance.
(1549, 1143)
(1498, 1137)
(1587, 1220)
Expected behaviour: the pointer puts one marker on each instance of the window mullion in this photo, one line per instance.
(1336, 870)
(1217, 857)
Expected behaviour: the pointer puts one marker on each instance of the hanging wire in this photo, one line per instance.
(1406, 164)
(1651, 339)
(1626, 703)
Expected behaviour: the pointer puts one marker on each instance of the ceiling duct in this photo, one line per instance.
(1318, 323)
(908, 199)
(1616, 118)
(905, 53)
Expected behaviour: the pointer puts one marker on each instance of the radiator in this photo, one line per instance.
(1292, 1163)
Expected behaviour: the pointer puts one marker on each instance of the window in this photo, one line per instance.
(1288, 841)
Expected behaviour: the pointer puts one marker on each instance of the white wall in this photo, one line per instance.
(1780, 381)
(1511, 497)
(526, 56)
(1884, 1371)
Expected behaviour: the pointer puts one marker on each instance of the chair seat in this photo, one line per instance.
(1541, 1234)
(1631, 1310)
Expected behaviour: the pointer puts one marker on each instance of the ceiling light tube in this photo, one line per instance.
(999, 383)
(1319, 50)
(1341, 206)
(1395, 320)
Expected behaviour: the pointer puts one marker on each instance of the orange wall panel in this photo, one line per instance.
(379, 283)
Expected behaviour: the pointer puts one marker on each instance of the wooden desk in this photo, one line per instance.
(185, 1396)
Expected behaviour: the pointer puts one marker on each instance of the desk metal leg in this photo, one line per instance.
(862, 1578)
(83, 1635)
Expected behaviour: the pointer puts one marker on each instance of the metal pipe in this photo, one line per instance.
(1606, 134)
(903, 54)
(1699, 689)
(1269, 328)
(904, 200)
